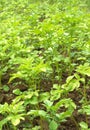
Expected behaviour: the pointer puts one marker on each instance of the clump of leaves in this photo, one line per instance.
(39, 41)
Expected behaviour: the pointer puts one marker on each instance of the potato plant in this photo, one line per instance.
(44, 65)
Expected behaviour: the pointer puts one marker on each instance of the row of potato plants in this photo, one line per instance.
(46, 47)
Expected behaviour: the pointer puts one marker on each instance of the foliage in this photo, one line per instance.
(45, 47)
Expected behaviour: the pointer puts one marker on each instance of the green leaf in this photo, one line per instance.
(33, 100)
(56, 86)
(73, 84)
(15, 122)
(14, 76)
(44, 96)
(2, 122)
(84, 69)
(15, 119)
(5, 88)
(83, 125)
(42, 113)
(85, 110)
(48, 103)
(53, 125)
(17, 91)
(69, 79)
(35, 128)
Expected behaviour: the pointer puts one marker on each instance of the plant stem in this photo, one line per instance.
(85, 97)
(0, 80)
(75, 122)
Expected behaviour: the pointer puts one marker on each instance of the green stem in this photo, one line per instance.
(69, 54)
(75, 122)
(0, 80)
(85, 97)
(41, 124)
(58, 73)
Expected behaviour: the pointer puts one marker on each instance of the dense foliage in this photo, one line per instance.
(44, 64)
